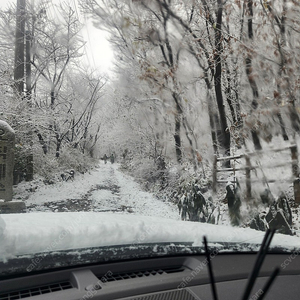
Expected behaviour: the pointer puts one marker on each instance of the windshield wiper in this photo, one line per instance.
(256, 268)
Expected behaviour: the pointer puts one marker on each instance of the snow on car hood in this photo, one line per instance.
(45, 232)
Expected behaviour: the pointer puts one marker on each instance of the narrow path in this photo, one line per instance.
(105, 189)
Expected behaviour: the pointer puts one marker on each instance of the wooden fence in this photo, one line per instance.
(249, 167)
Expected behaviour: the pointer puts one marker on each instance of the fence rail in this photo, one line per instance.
(248, 168)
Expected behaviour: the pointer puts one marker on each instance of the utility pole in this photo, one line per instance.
(19, 48)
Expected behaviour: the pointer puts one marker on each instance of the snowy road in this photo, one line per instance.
(104, 189)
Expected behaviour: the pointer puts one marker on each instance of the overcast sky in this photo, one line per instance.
(98, 52)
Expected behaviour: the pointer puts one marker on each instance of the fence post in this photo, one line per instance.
(295, 171)
(248, 178)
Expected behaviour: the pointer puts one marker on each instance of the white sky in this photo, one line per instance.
(99, 54)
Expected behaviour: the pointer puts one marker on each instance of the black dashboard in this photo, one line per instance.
(179, 277)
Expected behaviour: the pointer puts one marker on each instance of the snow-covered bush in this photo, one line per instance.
(20, 165)
(72, 158)
(50, 167)
(46, 166)
(151, 173)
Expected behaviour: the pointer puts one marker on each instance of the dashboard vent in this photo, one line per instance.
(178, 295)
(36, 291)
(136, 274)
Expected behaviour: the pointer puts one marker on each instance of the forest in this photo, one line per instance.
(192, 81)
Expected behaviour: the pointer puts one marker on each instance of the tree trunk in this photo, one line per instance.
(29, 158)
(58, 145)
(212, 123)
(52, 95)
(239, 125)
(218, 80)
(19, 48)
(177, 137)
(42, 142)
(250, 76)
(228, 93)
(28, 67)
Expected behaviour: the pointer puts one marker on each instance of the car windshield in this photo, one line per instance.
(138, 127)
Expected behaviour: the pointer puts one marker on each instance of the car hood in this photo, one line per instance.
(28, 234)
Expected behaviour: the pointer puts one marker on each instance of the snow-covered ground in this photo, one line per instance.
(103, 189)
(116, 212)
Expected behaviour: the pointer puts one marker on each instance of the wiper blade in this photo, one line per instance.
(211, 275)
(254, 274)
(259, 261)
